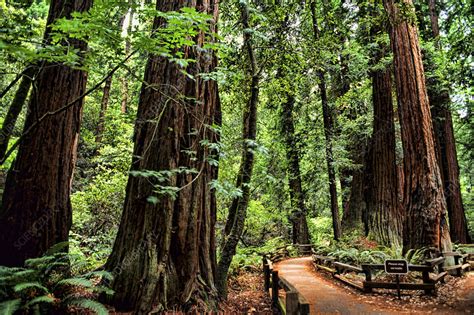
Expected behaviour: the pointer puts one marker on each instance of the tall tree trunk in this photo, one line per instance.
(164, 255)
(425, 220)
(239, 205)
(15, 108)
(446, 146)
(328, 132)
(300, 225)
(103, 109)
(356, 204)
(36, 208)
(128, 46)
(384, 213)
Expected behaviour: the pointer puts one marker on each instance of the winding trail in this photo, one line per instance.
(324, 296)
(327, 297)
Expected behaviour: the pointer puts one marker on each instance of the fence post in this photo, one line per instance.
(266, 273)
(426, 280)
(368, 278)
(275, 287)
(291, 303)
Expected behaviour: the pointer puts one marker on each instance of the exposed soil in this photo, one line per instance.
(329, 296)
(247, 295)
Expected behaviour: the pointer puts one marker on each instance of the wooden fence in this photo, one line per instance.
(294, 303)
(432, 272)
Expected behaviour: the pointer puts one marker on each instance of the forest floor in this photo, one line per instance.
(329, 296)
(247, 295)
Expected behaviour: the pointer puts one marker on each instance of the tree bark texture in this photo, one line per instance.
(238, 209)
(446, 145)
(103, 110)
(36, 208)
(356, 204)
(298, 217)
(328, 132)
(384, 213)
(425, 222)
(164, 253)
(15, 108)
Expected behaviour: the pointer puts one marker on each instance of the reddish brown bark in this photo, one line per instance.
(446, 146)
(425, 222)
(36, 209)
(384, 213)
(164, 253)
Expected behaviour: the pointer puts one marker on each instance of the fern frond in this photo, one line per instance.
(41, 299)
(29, 285)
(10, 307)
(103, 274)
(57, 248)
(94, 306)
(77, 282)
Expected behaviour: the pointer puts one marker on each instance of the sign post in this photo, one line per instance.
(396, 267)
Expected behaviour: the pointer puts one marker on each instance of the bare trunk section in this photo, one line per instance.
(356, 203)
(36, 208)
(128, 46)
(385, 219)
(103, 109)
(425, 221)
(298, 218)
(328, 132)
(446, 146)
(239, 205)
(15, 108)
(164, 253)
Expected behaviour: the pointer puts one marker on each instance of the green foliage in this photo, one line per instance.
(49, 283)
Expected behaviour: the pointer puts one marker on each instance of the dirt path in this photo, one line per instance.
(324, 296)
(330, 297)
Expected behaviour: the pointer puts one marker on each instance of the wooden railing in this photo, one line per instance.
(432, 272)
(294, 302)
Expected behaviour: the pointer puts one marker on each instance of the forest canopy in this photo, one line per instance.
(162, 146)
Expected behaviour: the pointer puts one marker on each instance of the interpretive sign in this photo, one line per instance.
(396, 266)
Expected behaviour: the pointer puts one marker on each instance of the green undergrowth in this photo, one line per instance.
(56, 283)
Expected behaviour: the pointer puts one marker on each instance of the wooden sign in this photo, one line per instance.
(396, 266)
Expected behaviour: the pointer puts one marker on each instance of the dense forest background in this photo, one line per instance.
(238, 127)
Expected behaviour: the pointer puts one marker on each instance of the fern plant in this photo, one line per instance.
(47, 284)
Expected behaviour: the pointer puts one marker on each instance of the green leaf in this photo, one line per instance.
(77, 282)
(29, 285)
(94, 306)
(41, 299)
(10, 307)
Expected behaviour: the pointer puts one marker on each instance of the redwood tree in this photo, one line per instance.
(385, 220)
(446, 145)
(328, 132)
(425, 220)
(164, 253)
(238, 209)
(36, 208)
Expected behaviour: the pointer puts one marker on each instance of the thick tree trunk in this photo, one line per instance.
(298, 217)
(164, 255)
(446, 146)
(15, 109)
(425, 221)
(328, 132)
(356, 204)
(36, 209)
(239, 205)
(384, 214)
(103, 109)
